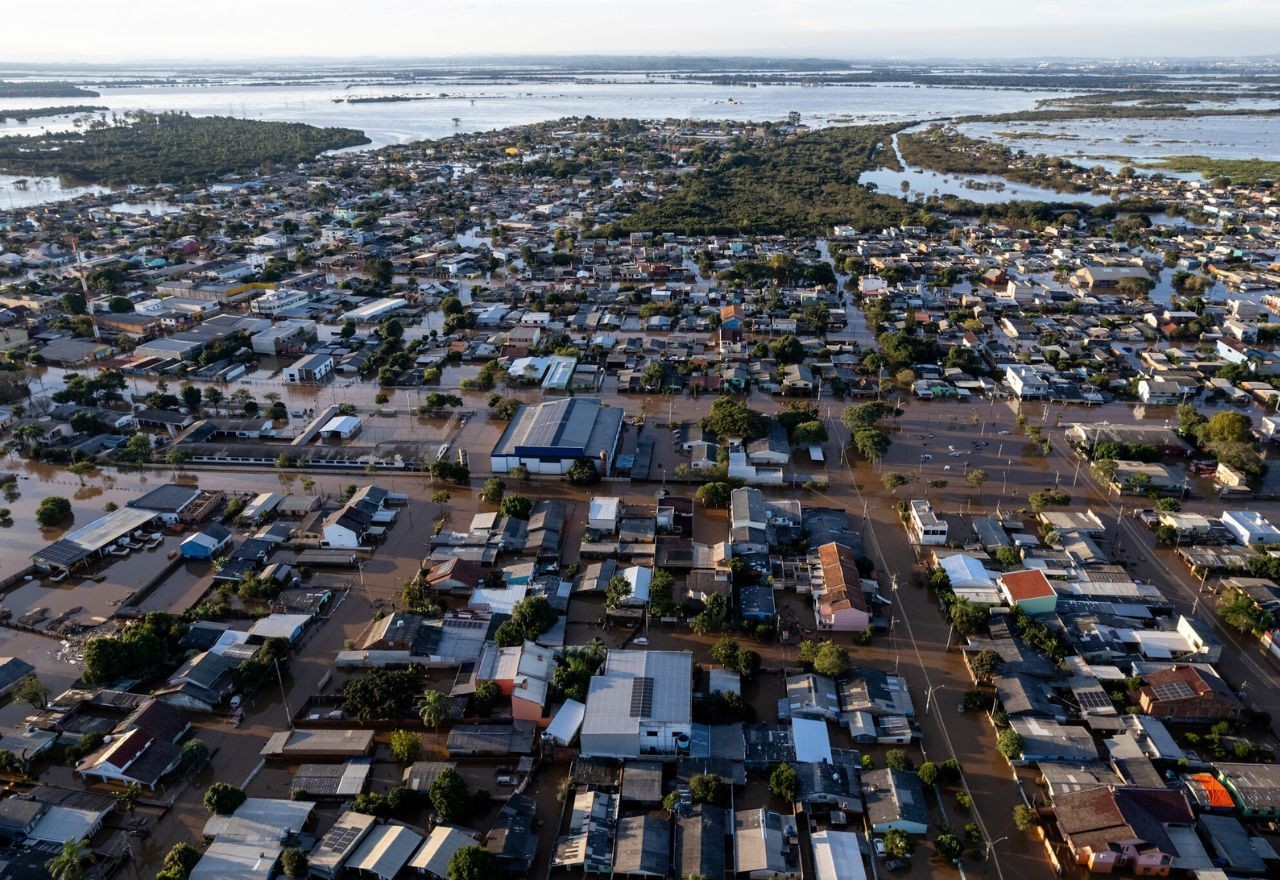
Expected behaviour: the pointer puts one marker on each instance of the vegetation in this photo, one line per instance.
(946, 150)
(472, 863)
(223, 799)
(45, 90)
(25, 113)
(1010, 743)
(803, 184)
(1240, 612)
(897, 844)
(583, 472)
(530, 618)
(1024, 818)
(714, 494)
(53, 511)
(784, 783)
(433, 708)
(406, 746)
(178, 862)
(382, 693)
(144, 649)
(948, 846)
(826, 657)
(74, 862)
(705, 788)
(294, 863)
(733, 418)
(151, 148)
(898, 759)
(516, 506)
(450, 796)
(1236, 170)
(617, 592)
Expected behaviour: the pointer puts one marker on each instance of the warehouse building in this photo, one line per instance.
(549, 437)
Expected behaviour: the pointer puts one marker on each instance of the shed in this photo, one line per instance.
(385, 850)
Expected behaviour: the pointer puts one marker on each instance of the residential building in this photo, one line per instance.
(640, 704)
(925, 526)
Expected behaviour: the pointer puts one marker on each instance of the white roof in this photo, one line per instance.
(60, 824)
(639, 577)
(434, 854)
(279, 625)
(341, 424)
(603, 508)
(966, 571)
(231, 860)
(837, 855)
(812, 739)
(385, 850)
(566, 723)
(261, 821)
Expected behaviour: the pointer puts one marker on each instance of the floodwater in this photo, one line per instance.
(985, 189)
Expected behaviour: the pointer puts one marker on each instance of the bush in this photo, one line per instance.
(450, 796)
(472, 863)
(705, 788)
(963, 801)
(948, 846)
(896, 844)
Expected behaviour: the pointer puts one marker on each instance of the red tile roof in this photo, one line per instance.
(1022, 585)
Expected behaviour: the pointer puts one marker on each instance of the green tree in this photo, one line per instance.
(530, 618)
(871, 443)
(892, 480)
(1010, 743)
(223, 799)
(53, 511)
(1024, 818)
(662, 594)
(472, 863)
(715, 494)
(830, 659)
(967, 618)
(516, 507)
(294, 862)
(486, 697)
(195, 755)
(897, 759)
(788, 350)
(33, 692)
(896, 844)
(617, 592)
(784, 782)
(73, 862)
(863, 415)
(406, 746)
(492, 491)
(948, 846)
(985, 664)
(433, 708)
(928, 773)
(178, 862)
(705, 788)
(725, 652)
(583, 472)
(450, 796)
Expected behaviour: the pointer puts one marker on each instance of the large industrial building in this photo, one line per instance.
(640, 704)
(549, 437)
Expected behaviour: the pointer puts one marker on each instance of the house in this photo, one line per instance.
(639, 704)
(761, 846)
(346, 528)
(1028, 590)
(337, 844)
(523, 673)
(136, 756)
(837, 855)
(1110, 828)
(924, 525)
(642, 847)
(875, 692)
(1255, 788)
(384, 851)
(810, 695)
(825, 786)
(699, 848)
(455, 575)
(1188, 694)
(839, 604)
(201, 684)
(206, 543)
(603, 513)
(895, 800)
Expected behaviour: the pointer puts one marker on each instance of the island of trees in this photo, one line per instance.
(25, 113)
(45, 90)
(147, 148)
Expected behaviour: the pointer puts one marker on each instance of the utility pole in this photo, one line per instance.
(74, 241)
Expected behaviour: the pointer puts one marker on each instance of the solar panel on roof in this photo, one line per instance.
(1173, 690)
(339, 839)
(1093, 699)
(641, 697)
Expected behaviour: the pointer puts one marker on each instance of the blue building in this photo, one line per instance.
(206, 544)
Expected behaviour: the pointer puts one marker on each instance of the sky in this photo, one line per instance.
(70, 31)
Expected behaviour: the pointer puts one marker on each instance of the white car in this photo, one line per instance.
(926, 457)
(1005, 433)
(641, 641)
(946, 467)
(877, 843)
(955, 454)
